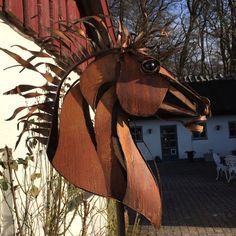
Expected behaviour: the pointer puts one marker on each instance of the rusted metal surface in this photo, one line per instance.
(96, 75)
(137, 91)
(106, 121)
(120, 81)
(76, 158)
(142, 193)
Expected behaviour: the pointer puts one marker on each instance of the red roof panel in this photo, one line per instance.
(1, 5)
(108, 20)
(15, 9)
(62, 11)
(31, 17)
(72, 11)
(44, 18)
(54, 15)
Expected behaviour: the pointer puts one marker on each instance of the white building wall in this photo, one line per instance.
(152, 140)
(218, 140)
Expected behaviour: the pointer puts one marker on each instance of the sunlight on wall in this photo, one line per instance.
(9, 78)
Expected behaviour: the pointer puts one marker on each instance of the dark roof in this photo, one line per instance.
(220, 90)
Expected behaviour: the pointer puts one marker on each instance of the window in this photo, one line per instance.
(200, 136)
(232, 129)
(137, 133)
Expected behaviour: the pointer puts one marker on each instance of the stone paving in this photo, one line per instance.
(194, 203)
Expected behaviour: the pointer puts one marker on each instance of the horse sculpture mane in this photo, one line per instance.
(120, 81)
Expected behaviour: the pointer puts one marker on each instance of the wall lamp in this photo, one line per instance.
(149, 131)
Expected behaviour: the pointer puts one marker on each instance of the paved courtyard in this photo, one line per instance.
(194, 203)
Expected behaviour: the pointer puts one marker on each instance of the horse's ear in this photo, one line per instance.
(102, 71)
(76, 157)
(139, 93)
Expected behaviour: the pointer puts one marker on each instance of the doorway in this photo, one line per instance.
(169, 142)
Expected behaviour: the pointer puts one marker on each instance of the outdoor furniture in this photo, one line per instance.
(230, 162)
(220, 167)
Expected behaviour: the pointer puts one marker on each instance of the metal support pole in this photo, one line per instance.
(120, 219)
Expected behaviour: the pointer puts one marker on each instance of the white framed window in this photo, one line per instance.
(137, 133)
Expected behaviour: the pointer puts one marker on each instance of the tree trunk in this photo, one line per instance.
(232, 6)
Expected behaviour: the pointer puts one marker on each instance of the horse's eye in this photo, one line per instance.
(150, 66)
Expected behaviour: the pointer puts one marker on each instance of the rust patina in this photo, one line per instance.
(120, 81)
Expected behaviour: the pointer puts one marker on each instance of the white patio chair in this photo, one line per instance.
(220, 168)
(230, 162)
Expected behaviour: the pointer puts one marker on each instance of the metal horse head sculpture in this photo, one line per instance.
(119, 82)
